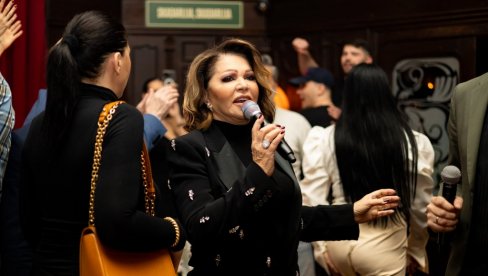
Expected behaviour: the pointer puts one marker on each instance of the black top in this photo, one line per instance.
(56, 185)
(239, 221)
(317, 116)
(338, 91)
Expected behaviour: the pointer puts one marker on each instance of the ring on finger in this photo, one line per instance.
(265, 144)
(436, 220)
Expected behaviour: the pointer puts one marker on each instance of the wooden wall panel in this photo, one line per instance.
(185, 50)
(60, 12)
(148, 60)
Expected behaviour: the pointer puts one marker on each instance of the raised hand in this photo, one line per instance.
(10, 29)
(7, 15)
(300, 45)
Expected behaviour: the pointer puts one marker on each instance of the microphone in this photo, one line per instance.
(252, 110)
(450, 176)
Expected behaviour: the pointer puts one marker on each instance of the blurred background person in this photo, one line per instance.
(315, 89)
(238, 200)
(159, 106)
(173, 120)
(371, 147)
(354, 52)
(87, 68)
(280, 98)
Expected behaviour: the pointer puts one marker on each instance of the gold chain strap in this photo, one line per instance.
(149, 193)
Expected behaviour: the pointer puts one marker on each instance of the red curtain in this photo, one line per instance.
(23, 64)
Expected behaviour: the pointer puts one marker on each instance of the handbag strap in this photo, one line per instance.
(149, 190)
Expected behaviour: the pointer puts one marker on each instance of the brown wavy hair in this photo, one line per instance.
(195, 111)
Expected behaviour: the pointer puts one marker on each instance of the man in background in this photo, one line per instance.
(315, 92)
(354, 52)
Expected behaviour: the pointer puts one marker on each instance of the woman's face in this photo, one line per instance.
(126, 65)
(231, 84)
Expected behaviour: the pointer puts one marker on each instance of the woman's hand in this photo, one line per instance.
(265, 141)
(7, 15)
(10, 28)
(376, 204)
(442, 216)
(159, 103)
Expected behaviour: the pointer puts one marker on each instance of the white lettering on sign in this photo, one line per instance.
(190, 13)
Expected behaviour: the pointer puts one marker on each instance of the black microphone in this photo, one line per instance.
(450, 176)
(252, 110)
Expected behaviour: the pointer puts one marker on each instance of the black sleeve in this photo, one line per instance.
(119, 201)
(329, 222)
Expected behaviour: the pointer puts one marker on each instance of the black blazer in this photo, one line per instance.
(238, 220)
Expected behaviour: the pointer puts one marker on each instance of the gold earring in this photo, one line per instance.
(209, 106)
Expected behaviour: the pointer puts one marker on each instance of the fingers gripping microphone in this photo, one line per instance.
(450, 176)
(252, 110)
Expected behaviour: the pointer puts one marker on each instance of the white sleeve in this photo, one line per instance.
(320, 168)
(418, 237)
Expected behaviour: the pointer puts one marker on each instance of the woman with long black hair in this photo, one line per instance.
(371, 147)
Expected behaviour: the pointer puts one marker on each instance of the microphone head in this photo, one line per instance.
(451, 174)
(250, 109)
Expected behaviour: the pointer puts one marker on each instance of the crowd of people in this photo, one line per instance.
(361, 188)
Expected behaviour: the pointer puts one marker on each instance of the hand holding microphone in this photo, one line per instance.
(450, 177)
(252, 110)
(442, 216)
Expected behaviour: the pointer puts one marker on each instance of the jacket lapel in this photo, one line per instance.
(476, 114)
(226, 163)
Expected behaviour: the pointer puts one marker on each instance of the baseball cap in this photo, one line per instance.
(315, 74)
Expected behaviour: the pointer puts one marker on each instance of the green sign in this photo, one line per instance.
(194, 14)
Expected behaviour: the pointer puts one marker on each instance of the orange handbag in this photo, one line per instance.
(97, 259)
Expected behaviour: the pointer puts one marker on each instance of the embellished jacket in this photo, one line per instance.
(238, 220)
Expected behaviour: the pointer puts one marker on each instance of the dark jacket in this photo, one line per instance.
(56, 184)
(239, 221)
